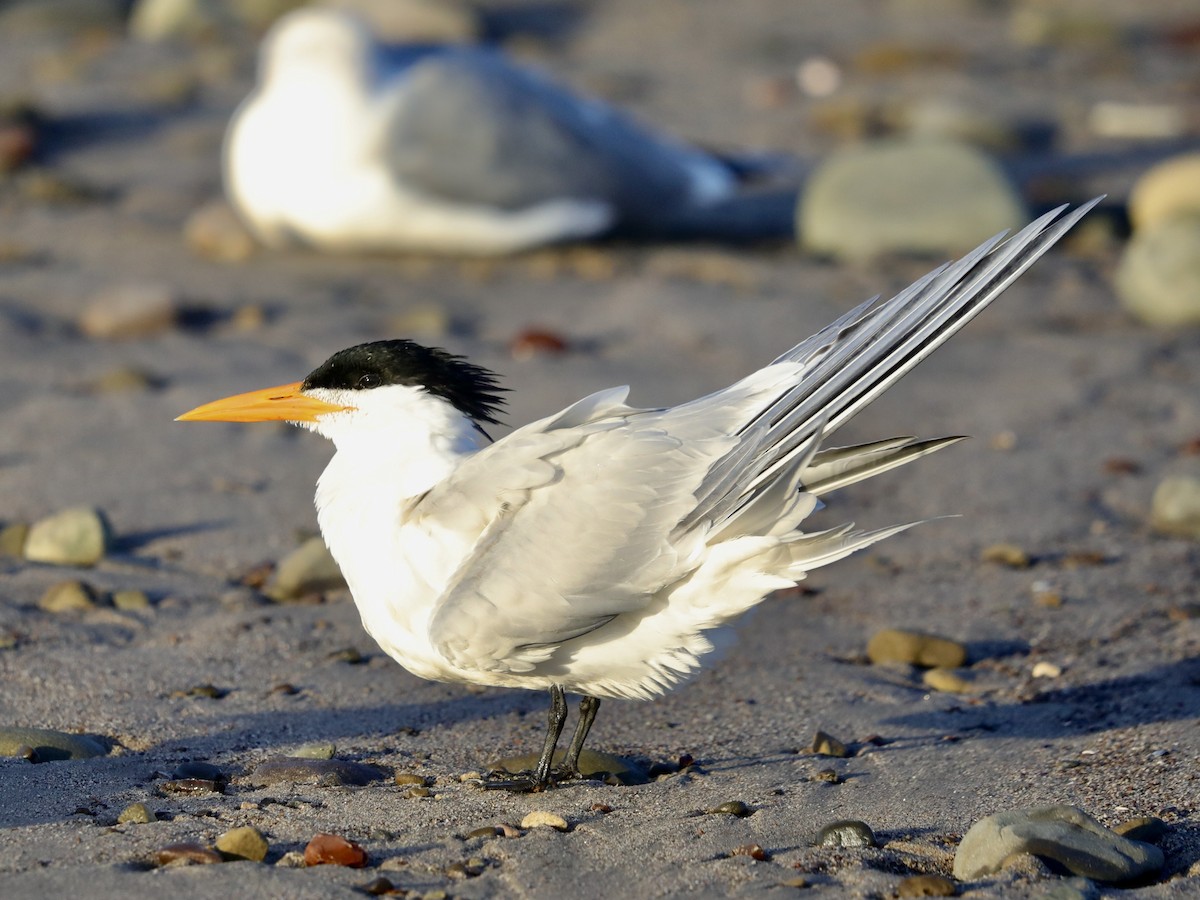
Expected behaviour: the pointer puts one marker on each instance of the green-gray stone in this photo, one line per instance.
(128, 600)
(315, 751)
(1158, 279)
(847, 833)
(1147, 829)
(324, 772)
(916, 648)
(137, 814)
(73, 537)
(591, 764)
(1065, 834)
(12, 539)
(246, 842)
(68, 595)
(1175, 507)
(935, 197)
(825, 744)
(309, 569)
(49, 745)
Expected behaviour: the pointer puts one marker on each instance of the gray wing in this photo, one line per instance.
(575, 519)
(584, 516)
(470, 126)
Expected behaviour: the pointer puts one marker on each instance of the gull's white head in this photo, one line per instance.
(375, 396)
(314, 42)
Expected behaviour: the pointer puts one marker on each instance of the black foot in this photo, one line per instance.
(515, 785)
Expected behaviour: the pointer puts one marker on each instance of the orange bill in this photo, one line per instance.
(282, 403)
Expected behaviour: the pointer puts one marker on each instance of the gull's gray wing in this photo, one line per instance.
(466, 124)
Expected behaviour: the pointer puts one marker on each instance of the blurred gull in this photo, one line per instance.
(345, 144)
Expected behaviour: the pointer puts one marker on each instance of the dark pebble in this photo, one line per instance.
(731, 808)
(206, 771)
(315, 771)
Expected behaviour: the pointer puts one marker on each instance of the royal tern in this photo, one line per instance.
(346, 144)
(600, 550)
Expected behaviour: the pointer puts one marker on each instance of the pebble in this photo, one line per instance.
(136, 814)
(331, 849)
(487, 831)
(541, 818)
(1064, 834)
(130, 599)
(731, 808)
(916, 648)
(1006, 555)
(428, 320)
(323, 750)
(592, 764)
(931, 197)
(827, 745)
(411, 778)
(1046, 594)
(418, 792)
(293, 859)
(187, 853)
(1147, 829)
(379, 887)
(325, 772)
(48, 745)
(1166, 191)
(18, 142)
(73, 537)
(531, 342)
(130, 311)
(847, 833)
(1158, 277)
(12, 539)
(122, 379)
(947, 681)
(754, 851)
(307, 570)
(1175, 508)
(164, 20)
(925, 886)
(214, 232)
(1138, 121)
(193, 786)
(200, 770)
(65, 596)
(246, 842)
(1045, 669)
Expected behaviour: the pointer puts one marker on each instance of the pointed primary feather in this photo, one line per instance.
(641, 529)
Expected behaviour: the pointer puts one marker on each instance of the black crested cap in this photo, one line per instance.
(471, 389)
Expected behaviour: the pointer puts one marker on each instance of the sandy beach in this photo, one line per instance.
(1082, 673)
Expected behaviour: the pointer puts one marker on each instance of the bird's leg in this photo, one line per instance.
(554, 723)
(541, 775)
(588, 707)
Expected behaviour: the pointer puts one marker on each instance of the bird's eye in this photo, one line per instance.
(369, 380)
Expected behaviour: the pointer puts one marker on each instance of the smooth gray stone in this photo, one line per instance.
(49, 745)
(1064, 834)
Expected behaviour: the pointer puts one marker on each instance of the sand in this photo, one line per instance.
(1078, 412)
